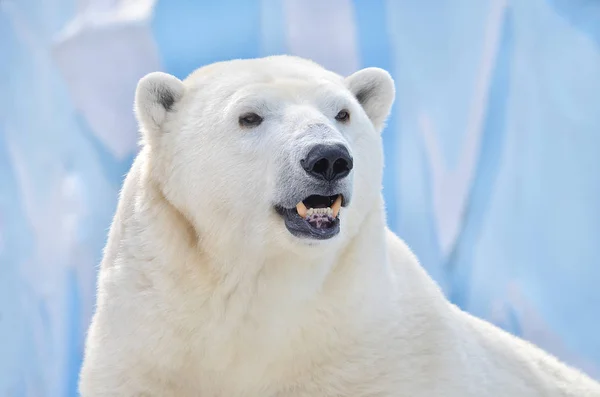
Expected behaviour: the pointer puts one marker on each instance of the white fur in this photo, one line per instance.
(203, 292)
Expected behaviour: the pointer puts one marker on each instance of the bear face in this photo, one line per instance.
(267, 151)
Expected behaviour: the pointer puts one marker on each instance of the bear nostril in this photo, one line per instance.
(341, 166)
(321, 167)
(329, 162)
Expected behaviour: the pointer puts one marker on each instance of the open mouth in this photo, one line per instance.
(314, 217)
(320, 211)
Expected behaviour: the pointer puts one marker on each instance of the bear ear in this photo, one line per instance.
(155, 96)
(374, 90)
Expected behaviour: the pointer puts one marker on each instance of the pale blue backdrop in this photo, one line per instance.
(493, 150)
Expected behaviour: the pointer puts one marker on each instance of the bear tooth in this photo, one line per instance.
(310, 211)
(335, 207)
(301, 208)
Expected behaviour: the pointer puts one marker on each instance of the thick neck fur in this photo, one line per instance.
(228, 305)
(167, 244)
(145, 215)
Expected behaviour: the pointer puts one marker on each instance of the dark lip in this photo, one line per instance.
(299, 227)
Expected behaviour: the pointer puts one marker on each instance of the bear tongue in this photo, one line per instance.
(320, 221)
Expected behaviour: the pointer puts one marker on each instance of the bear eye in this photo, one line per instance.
(343, 116)
(250, 120)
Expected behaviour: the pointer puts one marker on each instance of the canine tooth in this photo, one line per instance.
(301, 208)
(335, 207)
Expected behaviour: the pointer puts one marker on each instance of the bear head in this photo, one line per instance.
(274, 152)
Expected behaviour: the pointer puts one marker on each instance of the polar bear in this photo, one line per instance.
(249, 255)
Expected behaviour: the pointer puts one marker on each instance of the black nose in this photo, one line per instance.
(329, 162)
